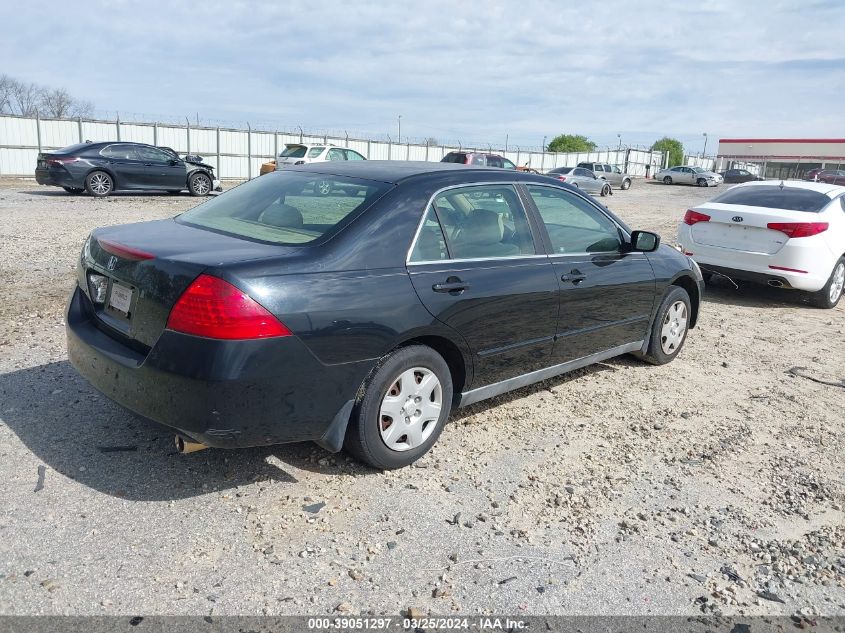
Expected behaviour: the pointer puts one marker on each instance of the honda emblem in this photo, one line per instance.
(111, 263)
(737, 218)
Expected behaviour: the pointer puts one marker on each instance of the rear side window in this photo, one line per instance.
(477, 222)
(776, 197)
(314, 152)
(123, 152)
(455, 157)
(290, 208)
(294, 151)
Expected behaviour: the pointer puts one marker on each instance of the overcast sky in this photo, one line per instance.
(469, 71)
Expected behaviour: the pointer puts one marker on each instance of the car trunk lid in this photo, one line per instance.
(149, 265)
(743, 228)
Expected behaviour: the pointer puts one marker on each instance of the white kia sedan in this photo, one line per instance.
(786, 235)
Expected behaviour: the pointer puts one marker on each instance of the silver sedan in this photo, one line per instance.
(581, 178)
(682, 175)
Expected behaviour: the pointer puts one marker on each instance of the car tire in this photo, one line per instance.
(829, 296)
(670, 327)
(75, 191)
(199, 184)
(323, 187)
(626, 184)
(667, 180)
(605, 191)
(99, 184)
(701, 182)
(397, 376)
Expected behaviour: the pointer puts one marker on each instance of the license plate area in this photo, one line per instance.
(121, 300)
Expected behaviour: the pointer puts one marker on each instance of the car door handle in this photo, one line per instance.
(575, 277)
(450, 285)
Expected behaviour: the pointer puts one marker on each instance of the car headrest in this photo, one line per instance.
(482, 226)
(282, 215)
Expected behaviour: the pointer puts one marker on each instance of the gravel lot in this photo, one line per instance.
(713, 484)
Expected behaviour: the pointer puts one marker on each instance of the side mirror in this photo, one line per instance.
(644, 241)
(173, 162)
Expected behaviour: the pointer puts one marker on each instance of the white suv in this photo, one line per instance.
(300, 154)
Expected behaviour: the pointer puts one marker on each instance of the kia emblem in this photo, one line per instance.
(737, 218)
(113, 261)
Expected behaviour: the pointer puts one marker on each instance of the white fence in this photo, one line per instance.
(238, 153)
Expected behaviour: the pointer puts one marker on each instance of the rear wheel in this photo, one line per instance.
(667, 180)
(669, 330)
(199, 184)
(626, 184)
(323, 187)
(74, 190)
(99, 184)
(830, 295)
(403, 410)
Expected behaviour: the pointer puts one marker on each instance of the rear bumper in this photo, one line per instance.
(221, 393)
(55, 177)
(806, 254)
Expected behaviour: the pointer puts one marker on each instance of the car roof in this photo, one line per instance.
(829, 190)
(396, 171)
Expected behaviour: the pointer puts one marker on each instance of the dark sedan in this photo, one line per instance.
(103, 168)
(832, 176)
(733, 176)
(272, 314)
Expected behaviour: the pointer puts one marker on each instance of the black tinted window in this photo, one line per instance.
(292, 208)
(124, 152)
(775, 197)
(73, 149)
(454, 157)
(573, 224)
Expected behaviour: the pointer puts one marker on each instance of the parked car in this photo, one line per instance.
(266, 316)
(103, 168)
(479, 159)
(297, 154)
(812, 173)
(832, 176)
(682, 175)
(787, 235)
(731, 176)
(583, 179)
(612, 174)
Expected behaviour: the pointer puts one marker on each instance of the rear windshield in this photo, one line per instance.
(561, 170)
(454, 157)
(72, 149)
(775, 197)
(294, 151)
(290, 208)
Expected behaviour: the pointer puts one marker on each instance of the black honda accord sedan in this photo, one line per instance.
(103, 168)
(271, 314)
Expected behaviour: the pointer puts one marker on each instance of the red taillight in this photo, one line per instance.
(124, 252)
(214, 308)
(691, 217)
(799, 229)
(61, 161)
(561, 178)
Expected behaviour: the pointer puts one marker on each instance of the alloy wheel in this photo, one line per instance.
(410, 409)
(201, 185)
(838, 282)
(674, 327)
(100, 184)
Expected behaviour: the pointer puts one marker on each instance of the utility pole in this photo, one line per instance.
(704, 152)
(619, 136)
(399, 135)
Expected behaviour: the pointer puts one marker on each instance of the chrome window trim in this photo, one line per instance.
(500, 183)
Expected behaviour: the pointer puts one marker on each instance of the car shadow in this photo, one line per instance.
(115, 194)
(82, 435)
(752, 295)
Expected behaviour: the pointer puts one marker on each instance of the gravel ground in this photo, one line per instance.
(713, 484)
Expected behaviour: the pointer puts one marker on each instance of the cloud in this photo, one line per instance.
(469, 71)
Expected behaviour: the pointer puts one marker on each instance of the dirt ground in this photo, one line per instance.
(712, 484)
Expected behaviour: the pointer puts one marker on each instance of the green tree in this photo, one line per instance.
(673, 147)
(571, 143)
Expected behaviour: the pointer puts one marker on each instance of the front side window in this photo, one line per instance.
(508, 164)
(494, 161)
(336, 154)
(351, 154)
(288, 207)
(153, 155)
(481, 222)
(121, 152)
(573, 224)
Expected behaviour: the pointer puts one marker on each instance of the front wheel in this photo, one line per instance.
(830, 295)
(99, 184)
(667, 180)
(75, 191)
(323, 187)
(199, 184)
(701, 182)
(669, 330)
(403, 410)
